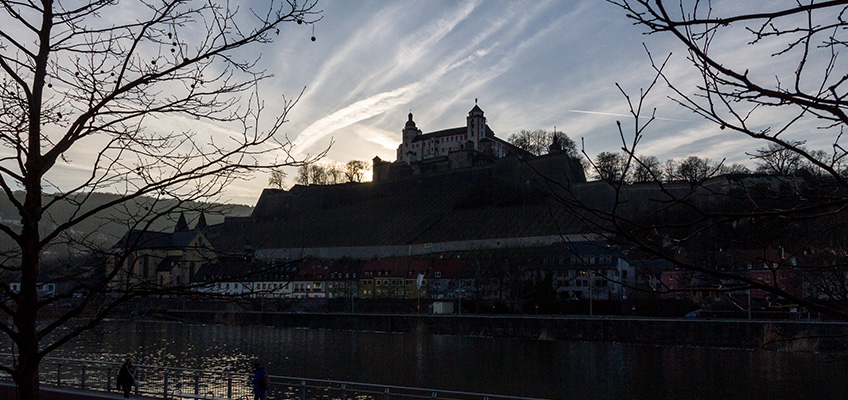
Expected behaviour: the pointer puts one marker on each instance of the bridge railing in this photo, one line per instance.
(186, 383)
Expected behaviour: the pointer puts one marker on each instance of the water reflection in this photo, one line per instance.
(573, 370)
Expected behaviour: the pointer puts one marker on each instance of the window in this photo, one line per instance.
(438, 274)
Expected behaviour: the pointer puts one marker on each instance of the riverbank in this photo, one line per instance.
(804, 335)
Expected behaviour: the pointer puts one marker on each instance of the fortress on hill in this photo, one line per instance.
(458, 185)
(448, 149)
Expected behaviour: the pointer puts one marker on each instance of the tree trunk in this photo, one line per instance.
(26, 376)
(26, 315)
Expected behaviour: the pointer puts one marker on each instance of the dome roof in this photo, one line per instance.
(410, 123)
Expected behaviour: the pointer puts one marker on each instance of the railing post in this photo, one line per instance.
(388, 395)
(109, 379)
(196, 382)
(302, 390)
(344, 391)
(165, 384)
(82, 377)
(230, 385)
(59, 374)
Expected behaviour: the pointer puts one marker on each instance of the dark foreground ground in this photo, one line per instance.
(7, 391)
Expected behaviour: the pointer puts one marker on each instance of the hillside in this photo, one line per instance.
(107, 228)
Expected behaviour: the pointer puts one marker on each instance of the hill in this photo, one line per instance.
(109, 226)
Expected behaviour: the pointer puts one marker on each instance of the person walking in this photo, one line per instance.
(126, 377)
(260, 382)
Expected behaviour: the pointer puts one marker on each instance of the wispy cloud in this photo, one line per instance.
(351, 114)
(628, 115)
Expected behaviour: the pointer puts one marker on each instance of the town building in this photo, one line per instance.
(162, 259)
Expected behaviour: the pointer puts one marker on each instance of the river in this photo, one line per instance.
(535, 368)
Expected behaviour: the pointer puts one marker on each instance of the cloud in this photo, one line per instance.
(351, 114)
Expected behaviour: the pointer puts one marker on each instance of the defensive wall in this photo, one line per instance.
(419, 249)
(795, 335)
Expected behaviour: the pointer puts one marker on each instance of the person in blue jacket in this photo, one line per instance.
(260, 382)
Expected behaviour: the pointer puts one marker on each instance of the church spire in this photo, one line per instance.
(201, 223)
(182, 225)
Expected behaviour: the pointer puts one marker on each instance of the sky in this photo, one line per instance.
(529, 65)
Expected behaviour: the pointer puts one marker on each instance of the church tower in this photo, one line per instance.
(410, 131)
(476, 125)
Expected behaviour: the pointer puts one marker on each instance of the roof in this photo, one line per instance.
(439, 134)
(580, 255)
(140, 239)
(245, 269)
(396, 267)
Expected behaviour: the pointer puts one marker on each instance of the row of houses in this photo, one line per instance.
(564, 271)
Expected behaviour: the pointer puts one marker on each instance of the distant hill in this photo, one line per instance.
(110, 225)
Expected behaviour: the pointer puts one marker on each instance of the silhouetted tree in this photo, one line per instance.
(538, 142)
(647, 169)
(775, 159)
(277, 178)
(609, 166)
(695, 169)
(771, 104)
(355, 170)
(89, 79)
(691, 225)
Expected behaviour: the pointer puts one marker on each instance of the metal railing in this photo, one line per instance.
(185, 383)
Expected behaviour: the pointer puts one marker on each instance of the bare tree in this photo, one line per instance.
(609, 166)
(648, 169)
(775, 159)
(538, 142)
(125, 97)
(695, 169)
(277, 178)
(686, 223)
(355, 170)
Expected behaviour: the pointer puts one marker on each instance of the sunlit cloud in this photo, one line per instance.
(351, 114)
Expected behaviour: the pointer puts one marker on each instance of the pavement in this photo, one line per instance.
(7, 391)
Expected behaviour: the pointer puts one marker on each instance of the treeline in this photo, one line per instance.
(771, 160)
(332, 173)
(614, 166)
